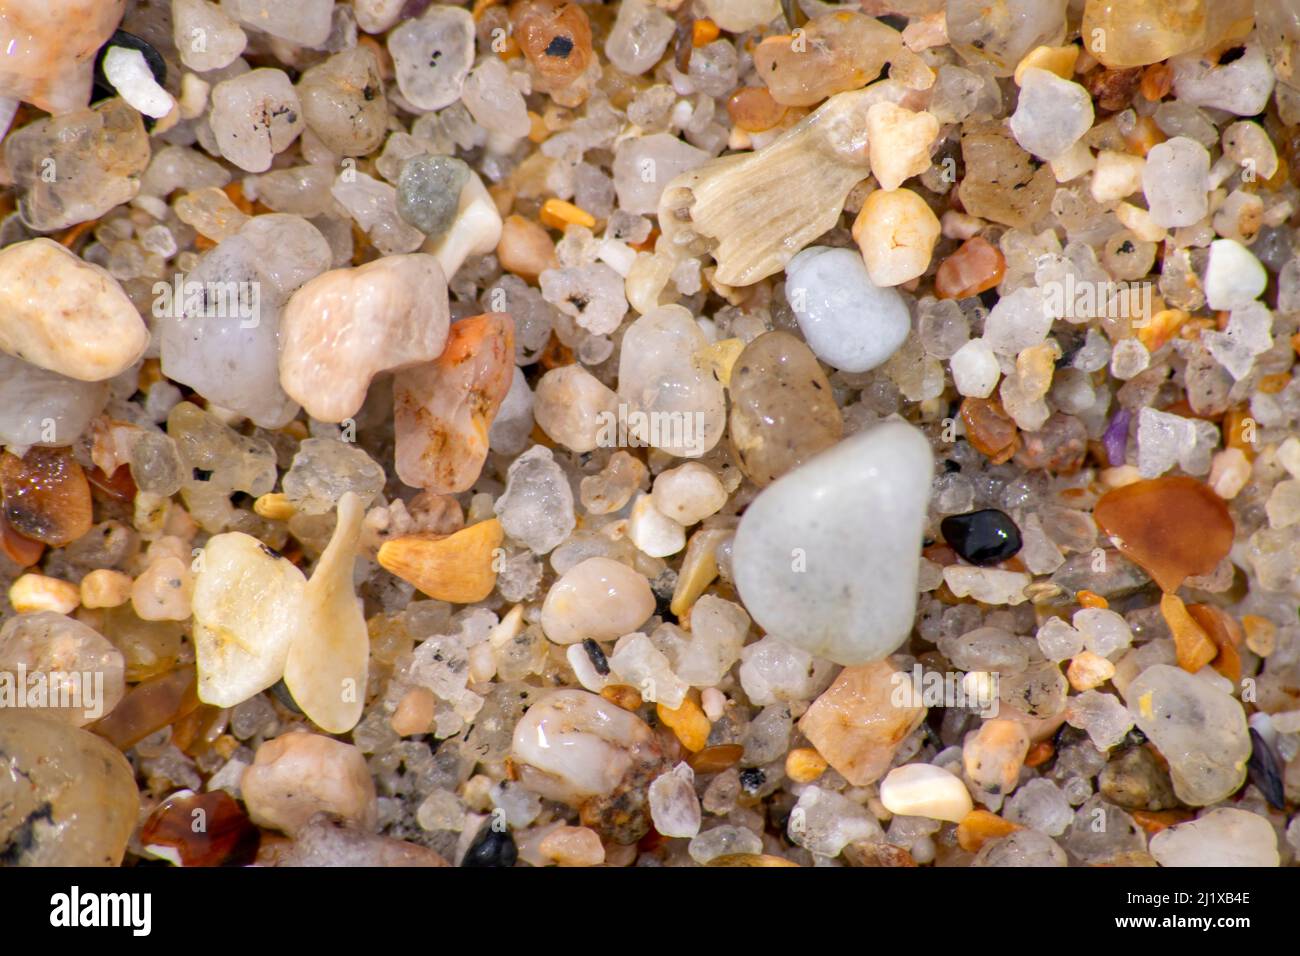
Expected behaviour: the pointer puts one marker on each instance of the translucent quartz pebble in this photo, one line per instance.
(674, 807)
(329, 656)
(297, 775)
(50, 50)
(1002, 182)
(1197, 727)
(571, 745)
(376, 16)
(718, 632)
(66, 315)
(1002, 34)
(573, 407)
(205, 37)
(833, 52)
(513, 425)
(495, 102)
(323, 841)
(862, 719)
(826, 558)
(1022, 848)
(344, 327)
(67, 797)
(1147, 31)
(432, 56)
(848, 321)
(782, 409)
(825, 822)
(305, 23)
(1248, 335)
(324, 469)
(55, 664)
(247, 601)
(1174, 528)
(1175, 182)
(644, 166)
(674, 401)
(78, 166)
(1166, 440)
(373, 206)
(343, 102)
(220, 332)
(772, 671)
(1241, 86)
(1051, 115)
(255, 115)
(428, 192)
(638, 38)
(637, 662)
(593, 294)
(217, 461)
(31, 398)
(598, 599)
(1222, 837)
(443, 410)
(537, 507)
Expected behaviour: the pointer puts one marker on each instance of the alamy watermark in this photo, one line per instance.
(976, 690)
(630, 428)
(190, 299)
(53, 690)
(1080, 299)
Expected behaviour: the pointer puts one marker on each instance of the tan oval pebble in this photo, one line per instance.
(65, 314)
(67, 797)
(599, 598)
(896, 231)
(60, 666)
(574, 407)
(347, 325)
(38, 592)
(573, 846)
(300, 774)
(105, 587)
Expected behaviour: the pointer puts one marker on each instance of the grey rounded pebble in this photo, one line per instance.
(428, 192)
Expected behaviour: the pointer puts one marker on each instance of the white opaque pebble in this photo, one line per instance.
(598, 598)
(826, 558)
(924, 790)
(848, 321)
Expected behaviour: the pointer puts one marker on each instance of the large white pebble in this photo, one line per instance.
(826, 558)
(848, 321)
(66, 315)
(924, 790)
